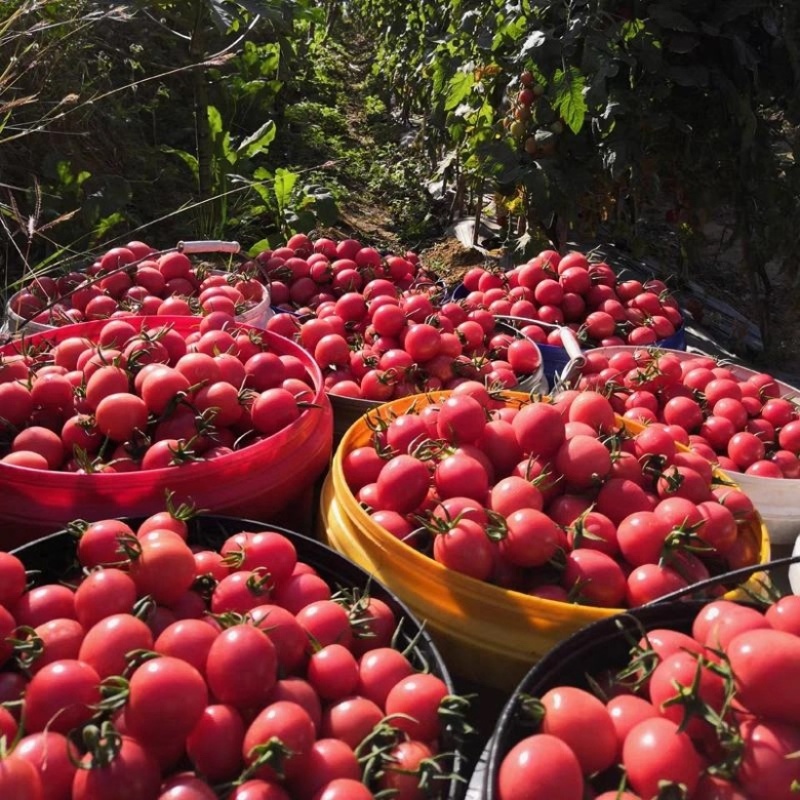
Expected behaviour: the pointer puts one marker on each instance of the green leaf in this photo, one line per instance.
(285, 181)
(257, 142)
(214, 122)
(667, 17)
(103, 226)
(259, 247)
(64, 171)
(187, 158)
(220, 136)
(631, 29)
(459, 87)
(569, 100)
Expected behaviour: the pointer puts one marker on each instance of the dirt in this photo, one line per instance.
(449, 259)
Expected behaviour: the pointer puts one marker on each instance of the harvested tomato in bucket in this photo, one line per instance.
(121, 453)
(530, 548)
(320, 643)
(138, 279)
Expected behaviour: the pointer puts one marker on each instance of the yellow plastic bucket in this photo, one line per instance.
(486, 634)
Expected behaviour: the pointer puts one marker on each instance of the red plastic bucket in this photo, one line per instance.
(271, 480)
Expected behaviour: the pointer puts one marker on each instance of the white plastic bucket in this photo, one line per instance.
(794, 569)
(777, 499)
(257, 316)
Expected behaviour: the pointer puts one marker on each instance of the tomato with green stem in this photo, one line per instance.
(242, 666)
(277, 740)
(162, 566)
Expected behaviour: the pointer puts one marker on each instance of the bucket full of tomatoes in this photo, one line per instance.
(104, 418)
(139, 280)
(745, 420)
(588, 297)
(670, 698)
(511, 530)
(246, 660)
(384, 344)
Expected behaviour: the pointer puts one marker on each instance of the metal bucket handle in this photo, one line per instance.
(577, 359)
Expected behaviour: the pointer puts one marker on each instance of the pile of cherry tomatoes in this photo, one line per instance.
(740, 419)
(147, 397)
(703, 713)
(556, 499)
(137, 279)
(163, 670)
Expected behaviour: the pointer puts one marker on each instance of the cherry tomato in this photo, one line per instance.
(655, 752)
(784, 614)
(402, 484)
(120, 415)
(288, 723)
(350, 720)
(765, 663)
(326, 760)
(19, 779)
(333, 672)
(187, 639)
(417, 698)
(108, 641)
(132, 774)
(259, 790)
(104, 592)
(540, 765)
(344, 789)
(99, 544)
(44, 603)
(768, 769)
(164, 568)
(581, 721)
(214, 745)
(61, 696)
(12, 578)
(166, 698)
(242, 666)
(327, 622)
(186, 786)
(53, 756)
(60, 638)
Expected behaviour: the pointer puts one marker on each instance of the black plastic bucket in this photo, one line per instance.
(598, 647)
(53, 558)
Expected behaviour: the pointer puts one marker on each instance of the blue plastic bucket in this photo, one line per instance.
(555, 358)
